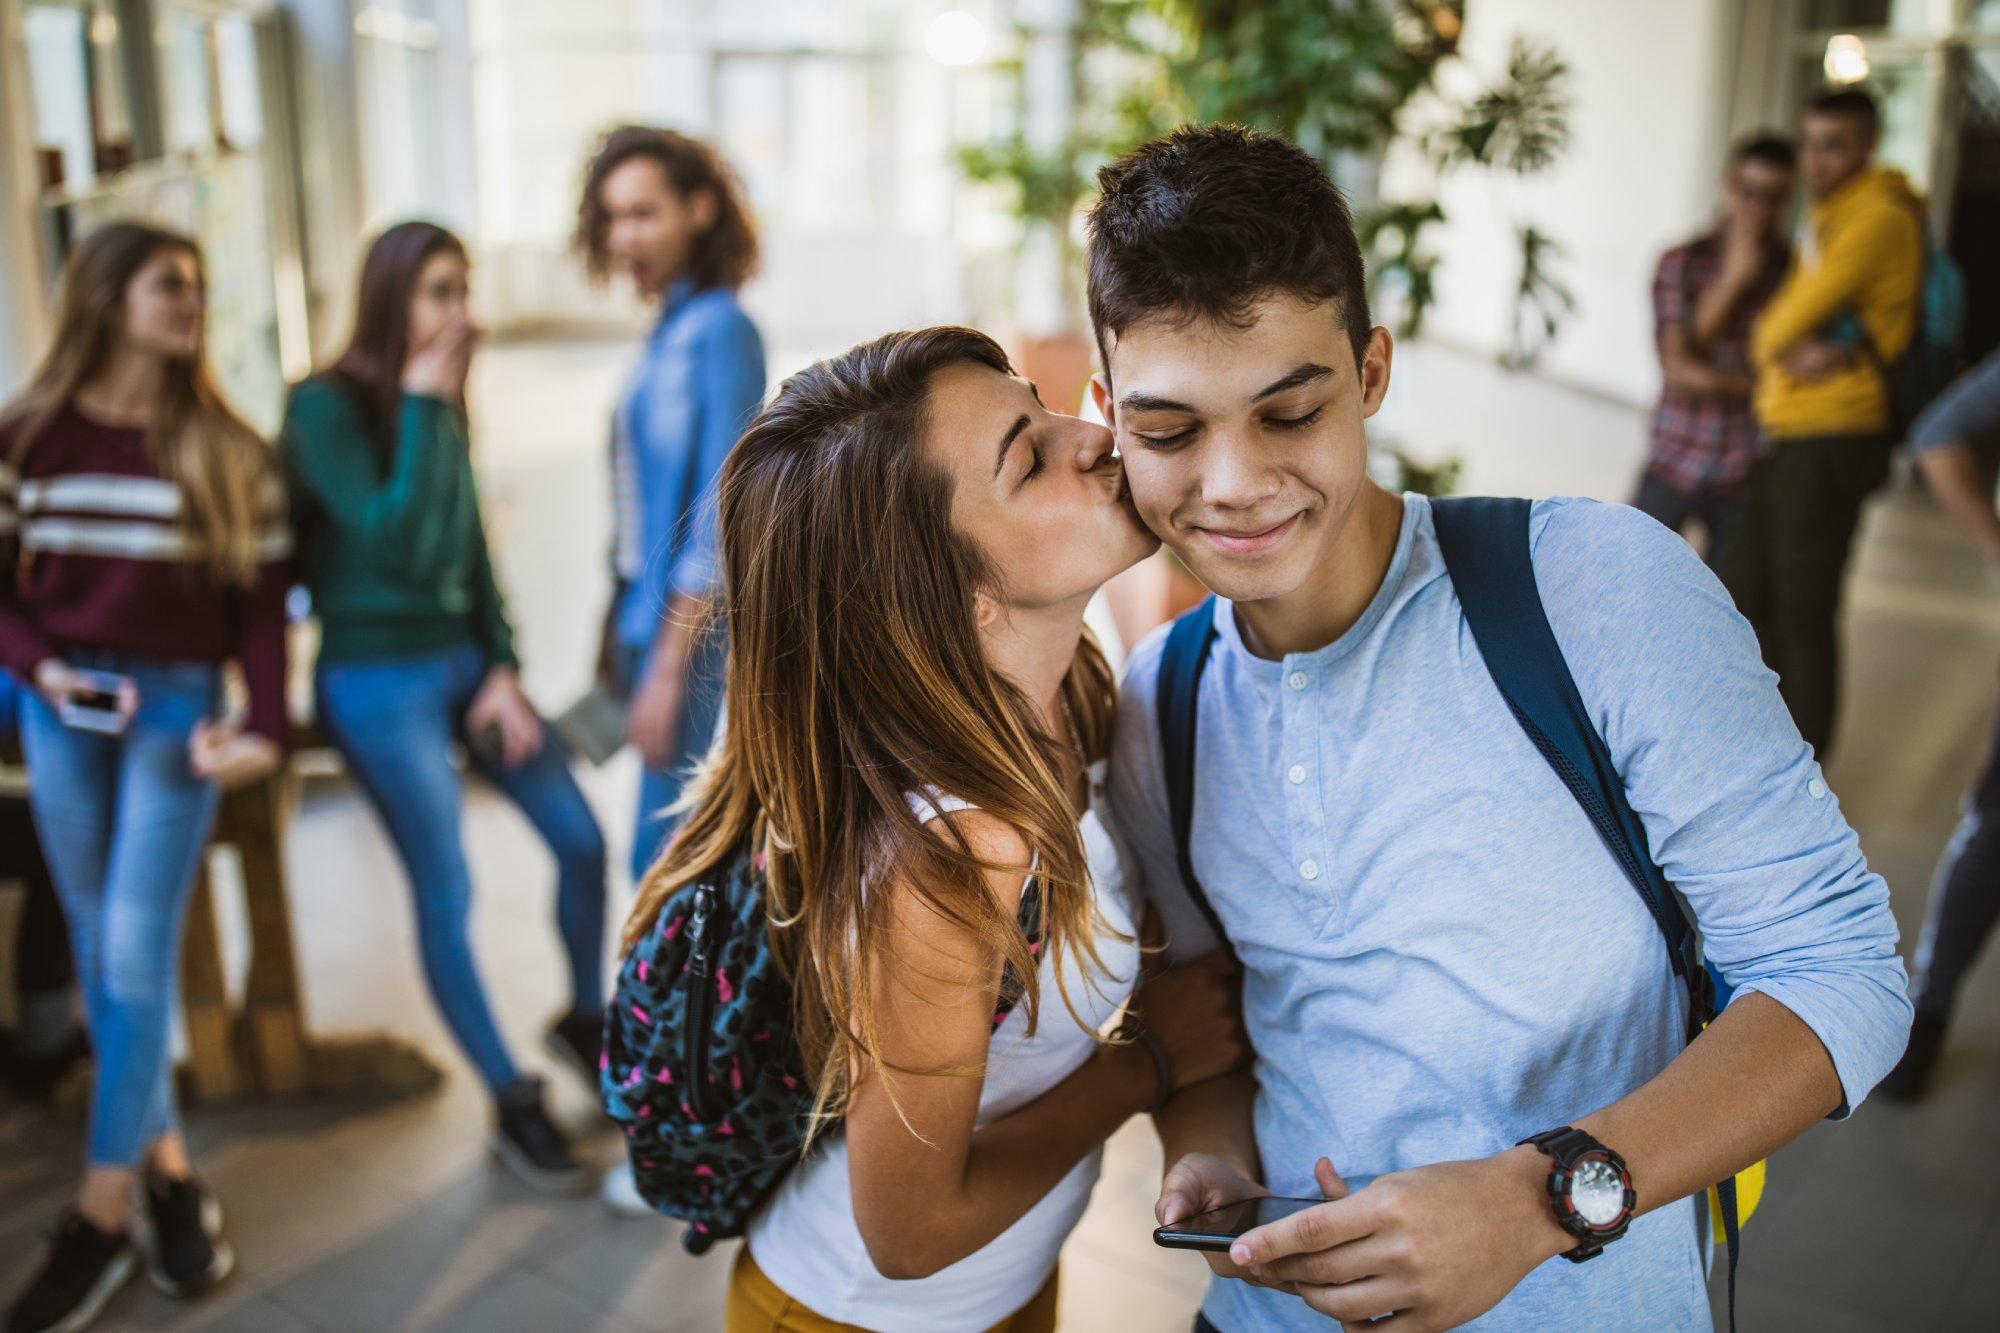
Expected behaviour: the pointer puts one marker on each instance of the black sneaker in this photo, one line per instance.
(1912, 1074)
(577, 1039)
(188, 1255)
(35, 1077)
(84, 1270)
(531, 1145)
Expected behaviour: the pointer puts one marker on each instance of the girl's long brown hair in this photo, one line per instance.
(370, 367)
(226, 473)
(856, 676)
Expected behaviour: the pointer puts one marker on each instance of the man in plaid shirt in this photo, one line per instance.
(1706, 294)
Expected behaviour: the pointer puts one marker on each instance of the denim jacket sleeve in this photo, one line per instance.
(729, 387)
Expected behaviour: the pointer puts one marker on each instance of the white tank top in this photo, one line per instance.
(806, 1239)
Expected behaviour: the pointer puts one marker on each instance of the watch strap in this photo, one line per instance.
(1564, 1145)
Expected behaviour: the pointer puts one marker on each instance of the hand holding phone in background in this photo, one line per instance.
(88, 700)
(500, 724)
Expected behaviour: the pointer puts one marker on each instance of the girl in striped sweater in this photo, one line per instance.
(142, 547)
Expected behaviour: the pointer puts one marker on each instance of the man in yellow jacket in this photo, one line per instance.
(1821, 351)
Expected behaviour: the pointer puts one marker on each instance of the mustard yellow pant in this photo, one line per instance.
(756, 1305)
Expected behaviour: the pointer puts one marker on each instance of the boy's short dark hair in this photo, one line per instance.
(1773, 150)
(1203, 223)
(1855, 102)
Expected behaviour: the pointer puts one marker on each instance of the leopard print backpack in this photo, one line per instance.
(700, 1067)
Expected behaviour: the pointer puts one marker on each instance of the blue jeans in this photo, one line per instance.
(123, 822)
(394, 720)
(659, 788)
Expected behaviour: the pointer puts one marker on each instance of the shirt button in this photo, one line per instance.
(1309, 869)
(1817, 788)
(1297, 773)
(1297, 680)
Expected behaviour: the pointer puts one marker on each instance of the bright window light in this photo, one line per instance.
(1846, 59)
(955, 38)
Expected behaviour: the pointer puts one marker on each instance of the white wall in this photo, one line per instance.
(1652, 81)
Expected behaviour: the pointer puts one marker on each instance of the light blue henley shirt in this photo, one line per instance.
(1441, 957)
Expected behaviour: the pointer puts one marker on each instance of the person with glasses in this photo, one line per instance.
(1707, 293)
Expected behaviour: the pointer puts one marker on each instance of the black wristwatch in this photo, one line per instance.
(1589, 1188)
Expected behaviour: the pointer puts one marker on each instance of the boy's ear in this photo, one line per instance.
(1100, 397)
(1375, 369)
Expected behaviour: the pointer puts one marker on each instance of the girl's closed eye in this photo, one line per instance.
(1034, 465)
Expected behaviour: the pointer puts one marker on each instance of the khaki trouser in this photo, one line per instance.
(757, 1305)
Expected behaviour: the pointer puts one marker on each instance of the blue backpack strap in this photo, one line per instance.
(1485, 545)
(1182, 661)
(1487, 553)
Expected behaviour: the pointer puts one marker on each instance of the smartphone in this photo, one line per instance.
(1217, 1228)
(95, 706)
(489, 744)
(593, 726)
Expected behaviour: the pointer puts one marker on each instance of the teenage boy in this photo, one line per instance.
(1955, 443)
(1441, 958)
(1822, 348)
(1706, 294)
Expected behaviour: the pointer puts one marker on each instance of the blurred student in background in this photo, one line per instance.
(417, 654)
(1706, 295)
(666, 211)
(1956, 443)
(144, 522)
(1823, 403)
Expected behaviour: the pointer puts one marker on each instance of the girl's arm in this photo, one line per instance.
(403, 520)
(260, 647)
(23, 646)
(489, 605)
(928, 1190)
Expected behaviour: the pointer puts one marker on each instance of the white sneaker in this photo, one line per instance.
(620, 1193)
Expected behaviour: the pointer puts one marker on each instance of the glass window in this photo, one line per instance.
(242, 108)
(58, 52)
(187, 83)
(1904, 17)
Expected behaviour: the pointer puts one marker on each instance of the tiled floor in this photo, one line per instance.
(390, 1216)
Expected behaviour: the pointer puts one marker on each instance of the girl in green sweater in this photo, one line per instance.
(416, 654)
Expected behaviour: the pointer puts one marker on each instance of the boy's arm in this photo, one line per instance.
(1943, 441)
(1814, 294)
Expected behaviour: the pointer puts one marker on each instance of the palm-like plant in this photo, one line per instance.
(1337, 77)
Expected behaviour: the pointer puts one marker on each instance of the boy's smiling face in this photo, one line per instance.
(1243, 446)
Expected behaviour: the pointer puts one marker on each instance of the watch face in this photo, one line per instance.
(1597, 1192)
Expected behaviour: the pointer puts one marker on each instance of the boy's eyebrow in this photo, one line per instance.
(1310, 373)
(1148, 402)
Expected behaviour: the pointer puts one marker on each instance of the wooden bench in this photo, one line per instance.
(261, 1046)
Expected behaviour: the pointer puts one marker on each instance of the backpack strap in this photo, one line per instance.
(1491, 564)
(1485, 545)
(1182, 661)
